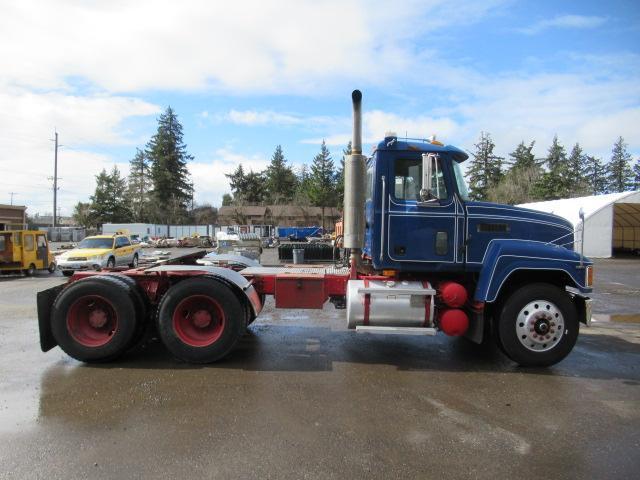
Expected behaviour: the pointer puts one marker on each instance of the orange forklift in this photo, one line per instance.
(25, 251)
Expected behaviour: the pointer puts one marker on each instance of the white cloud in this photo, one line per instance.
(27, 120)
(253, 117)
(377, 123)
(584, 105)
(564, 21)
(208, 176)
(241, 46)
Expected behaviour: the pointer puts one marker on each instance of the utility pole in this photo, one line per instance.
(12, 194)
(55, 182)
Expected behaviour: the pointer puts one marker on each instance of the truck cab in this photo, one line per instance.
(419, 218)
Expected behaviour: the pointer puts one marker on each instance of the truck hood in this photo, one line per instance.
(523, 223)
(513, 211)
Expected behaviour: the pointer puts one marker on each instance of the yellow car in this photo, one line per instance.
(99, 251)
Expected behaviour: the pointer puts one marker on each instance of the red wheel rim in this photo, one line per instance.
(92, 321)
(198, 321)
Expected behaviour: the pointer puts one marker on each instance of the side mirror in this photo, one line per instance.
(429, 160)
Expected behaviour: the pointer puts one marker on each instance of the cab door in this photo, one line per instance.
(119, 251)
(422, 235)
(29, 253)
(42, 252)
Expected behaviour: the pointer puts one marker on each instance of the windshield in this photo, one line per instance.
(462, 185)
(96, 243)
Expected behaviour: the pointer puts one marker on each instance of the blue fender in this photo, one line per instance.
(504, 257)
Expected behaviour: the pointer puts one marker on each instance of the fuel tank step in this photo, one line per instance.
(396, 330)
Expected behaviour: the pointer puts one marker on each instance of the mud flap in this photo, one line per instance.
(475, 332)
(45, 300)
(583, 308)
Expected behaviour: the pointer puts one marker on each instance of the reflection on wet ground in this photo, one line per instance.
(617, 318)
(311, 400)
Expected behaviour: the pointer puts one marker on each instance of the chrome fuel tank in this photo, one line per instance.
(389, 303)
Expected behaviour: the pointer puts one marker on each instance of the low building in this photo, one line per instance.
(282, 215)
(13, 217)
(47, 221)
(612, 221)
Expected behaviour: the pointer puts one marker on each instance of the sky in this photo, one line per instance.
(245, 76)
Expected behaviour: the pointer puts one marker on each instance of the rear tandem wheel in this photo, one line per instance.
(200, 320)
(95, 319)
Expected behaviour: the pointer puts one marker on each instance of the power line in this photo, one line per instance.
(12, 194)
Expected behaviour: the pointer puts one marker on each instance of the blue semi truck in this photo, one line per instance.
(420, 258)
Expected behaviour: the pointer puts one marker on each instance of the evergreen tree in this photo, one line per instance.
(172, 190)
(279, 179)
(254, 191)
(516, 185)
(109, 203)
(485, 170)
(139, 186)
(636, 175)
(553, 183)
(619, 172)
(237, 182)
(304, 186)
(340, 176)
(576, 183)
(322, 189)
(82, 214)
(595, 175)
(227, 200)
(522, 156)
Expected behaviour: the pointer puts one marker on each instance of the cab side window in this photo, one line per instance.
(408, 174)
(28, 243)
(42, 241)
(122, 242)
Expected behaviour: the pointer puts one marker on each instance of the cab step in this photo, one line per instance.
(396, 330)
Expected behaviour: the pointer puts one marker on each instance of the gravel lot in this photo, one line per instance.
(302, 397)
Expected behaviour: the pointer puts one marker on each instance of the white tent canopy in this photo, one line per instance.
(612, 221)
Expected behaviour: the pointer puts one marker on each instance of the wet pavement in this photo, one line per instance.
(302, 397)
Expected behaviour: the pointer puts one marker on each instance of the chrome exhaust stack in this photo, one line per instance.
(354, 187)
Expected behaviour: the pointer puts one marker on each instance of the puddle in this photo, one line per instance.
(616, 318)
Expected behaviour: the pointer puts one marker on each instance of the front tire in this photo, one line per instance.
(134, 262)
(52, 267)
(111, 263)
(538, 325)
(200, 320)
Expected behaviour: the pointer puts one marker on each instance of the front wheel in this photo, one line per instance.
(111, 263)
(538, 325)
(52, 267)
(134, 262)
